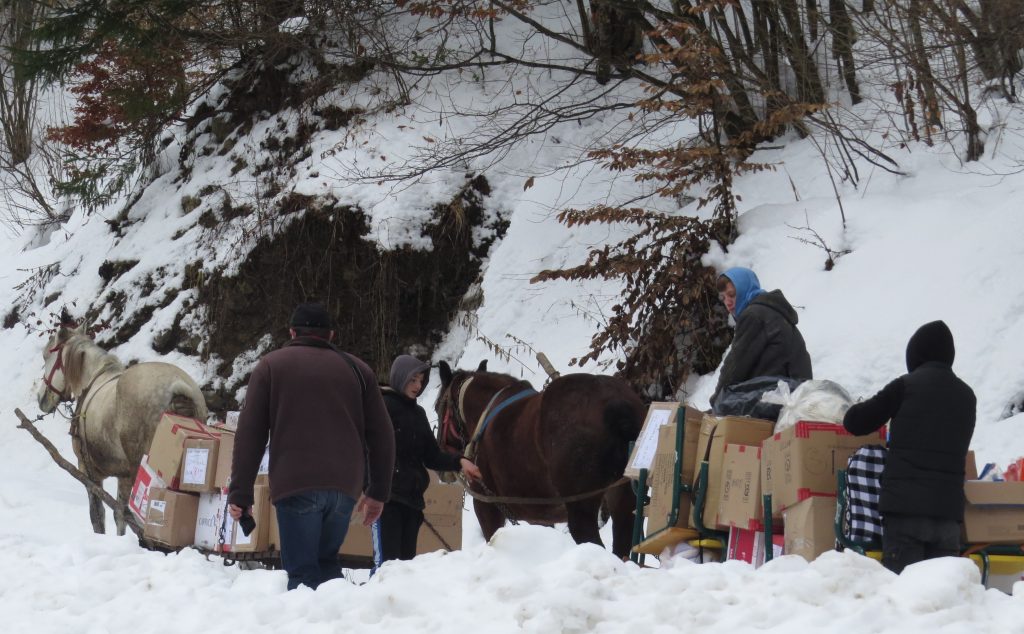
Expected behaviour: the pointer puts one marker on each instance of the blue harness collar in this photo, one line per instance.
(490, 414)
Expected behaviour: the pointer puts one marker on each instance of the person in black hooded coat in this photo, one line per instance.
(932, 414)
(416, 450)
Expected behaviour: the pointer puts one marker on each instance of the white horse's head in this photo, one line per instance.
(54, 388)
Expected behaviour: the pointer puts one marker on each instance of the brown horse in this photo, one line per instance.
(564, 448)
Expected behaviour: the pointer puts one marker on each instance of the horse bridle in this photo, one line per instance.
(458, 425)
(453, 427)
(57, 365)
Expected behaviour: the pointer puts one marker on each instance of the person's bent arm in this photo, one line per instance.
(380, 444)
(868, 416)
(432, 455)
(747, 347)
(471, 470)
(251, 438)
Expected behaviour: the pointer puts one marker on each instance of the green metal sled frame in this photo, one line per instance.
(698, 490)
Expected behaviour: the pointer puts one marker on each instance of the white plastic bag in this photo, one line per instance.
(820, 401)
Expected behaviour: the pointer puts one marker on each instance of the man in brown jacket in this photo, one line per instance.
(331, 444)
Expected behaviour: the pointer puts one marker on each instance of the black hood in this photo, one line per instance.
(777, 302)
(932, 342)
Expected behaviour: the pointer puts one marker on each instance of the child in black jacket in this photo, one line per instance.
(416, 450)
(932, 414)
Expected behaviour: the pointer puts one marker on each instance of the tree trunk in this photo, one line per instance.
(17, 92)
(919, 61)
(843, 37)
(809, 88)
(813, 17)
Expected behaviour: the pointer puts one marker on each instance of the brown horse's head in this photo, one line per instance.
(453, 431)
(464, 397)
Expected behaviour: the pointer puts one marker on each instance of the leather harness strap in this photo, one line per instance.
(77, 430)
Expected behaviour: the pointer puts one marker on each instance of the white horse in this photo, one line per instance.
(117, 409)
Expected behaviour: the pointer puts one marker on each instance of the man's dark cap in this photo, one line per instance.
(310, 315)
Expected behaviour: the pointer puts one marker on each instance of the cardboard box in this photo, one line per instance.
(444, 506)
(259, 539)
(146, 480)
(211, 518)
(970, 466)
(198, 464)
(171, 519)
(225, 453)
(715, 434)
(749, 545)
(167, 450)
(801, 461)
(358, 540)
(646, 446)
(663, 487)
(444, 513)
(810, 527)
(994, 512)
(739, 498)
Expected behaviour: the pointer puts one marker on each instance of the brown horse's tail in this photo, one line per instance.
(621, 418)
(623, 422)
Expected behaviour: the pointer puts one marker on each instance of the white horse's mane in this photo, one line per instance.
(84, 359)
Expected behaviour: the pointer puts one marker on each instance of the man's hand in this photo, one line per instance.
(236, 512)
(471, 470)
(370, 508)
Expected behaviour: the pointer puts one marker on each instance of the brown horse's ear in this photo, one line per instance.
(482, 367)
(446, 372)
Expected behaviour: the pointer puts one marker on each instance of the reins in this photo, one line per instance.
(507, 499)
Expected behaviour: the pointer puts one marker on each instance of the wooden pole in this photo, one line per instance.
(98, 490)
(544, 363)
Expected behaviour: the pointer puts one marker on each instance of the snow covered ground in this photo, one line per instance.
(941, 242)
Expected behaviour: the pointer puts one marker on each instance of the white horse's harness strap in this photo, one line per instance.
(77, 430)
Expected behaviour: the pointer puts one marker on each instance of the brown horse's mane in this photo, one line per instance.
(76, 348)
(512, 381)
(459, 377)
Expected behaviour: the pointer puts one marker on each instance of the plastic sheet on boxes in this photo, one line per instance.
(821, 401)
(746, 398)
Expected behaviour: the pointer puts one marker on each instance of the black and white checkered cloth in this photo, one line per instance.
(863, 473)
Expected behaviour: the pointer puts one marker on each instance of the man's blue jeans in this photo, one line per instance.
(313, 526)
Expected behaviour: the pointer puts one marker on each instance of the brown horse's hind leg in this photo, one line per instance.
(124, 491)
(583, 521)
(621, 504)
(490, 518)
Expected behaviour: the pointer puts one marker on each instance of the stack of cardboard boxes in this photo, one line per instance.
(797, 466)
(747, 460)
(995, 510)
(180, 496)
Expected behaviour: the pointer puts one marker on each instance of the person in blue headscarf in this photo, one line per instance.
(766, 342)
